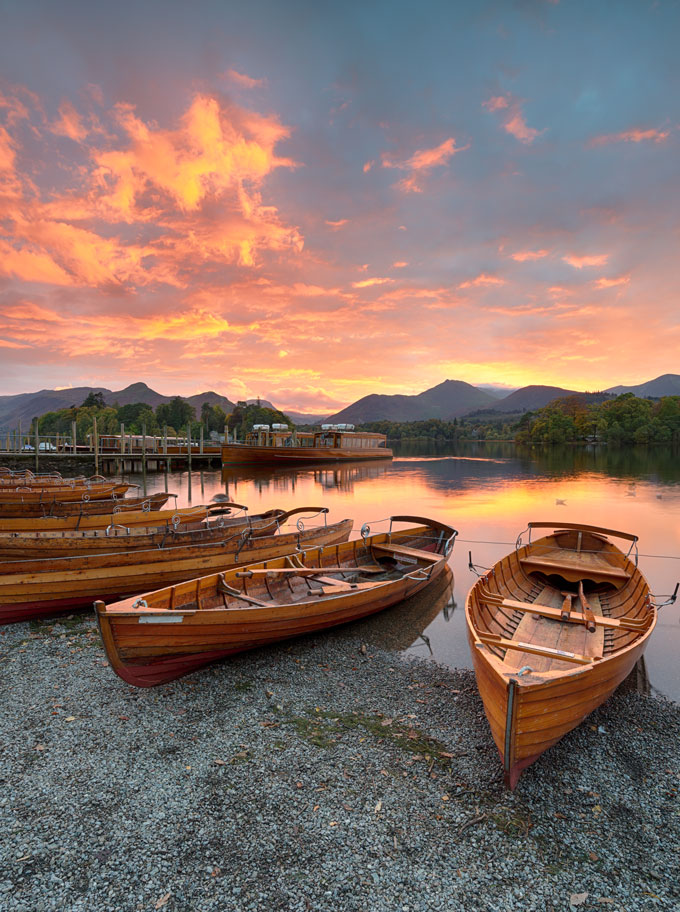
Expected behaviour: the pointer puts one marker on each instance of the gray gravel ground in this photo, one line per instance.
(311, 776)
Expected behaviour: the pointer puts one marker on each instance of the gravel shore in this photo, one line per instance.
(312, 776)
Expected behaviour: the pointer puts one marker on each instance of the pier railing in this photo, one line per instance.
(111, 449)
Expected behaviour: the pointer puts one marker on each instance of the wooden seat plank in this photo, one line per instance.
(408, 552)
(591, 565)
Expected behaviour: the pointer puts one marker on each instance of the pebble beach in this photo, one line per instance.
(328, 773)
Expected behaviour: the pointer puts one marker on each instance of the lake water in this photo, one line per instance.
(488, 492)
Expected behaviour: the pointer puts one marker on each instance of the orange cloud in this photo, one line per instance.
(7, 151)
(367, 166)
(399, 264)
(339, 224)
(5, 343)
(523, 256)
(612, 283)
(422, 162)
(69, 123)
(513, 119)
(31, 265)
(635, 135)
(246, 82)
(199, 185)
(482, 280)
(578, 262)
(368, 283)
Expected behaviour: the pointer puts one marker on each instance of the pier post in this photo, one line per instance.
(122, 439)
(189, 445)
(201, 438)
(73, 437)
(95, 441)
(19, 435)
(37, 443)
(144, 456)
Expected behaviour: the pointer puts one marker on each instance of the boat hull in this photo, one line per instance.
(536, 691)
(206, 636)
(175, 630)
(247, 454)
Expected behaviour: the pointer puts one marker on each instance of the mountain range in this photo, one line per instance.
(455, 399)
(446, 401)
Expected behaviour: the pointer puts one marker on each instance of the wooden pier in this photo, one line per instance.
(108, 453)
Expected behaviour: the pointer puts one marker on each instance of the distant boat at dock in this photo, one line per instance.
(279, 445)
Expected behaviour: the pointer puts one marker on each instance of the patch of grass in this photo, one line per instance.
(72, 625)
(511, 822)
(243, 685)
(322, 728)
(316, 731)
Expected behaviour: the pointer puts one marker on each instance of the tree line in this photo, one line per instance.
(621, 421)
(139, 417)
(618, 422)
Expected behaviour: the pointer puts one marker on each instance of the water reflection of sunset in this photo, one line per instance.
(490, 501)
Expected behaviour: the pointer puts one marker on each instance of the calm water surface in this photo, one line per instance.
(489, 492)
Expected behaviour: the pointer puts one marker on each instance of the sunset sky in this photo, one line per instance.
(313, 201)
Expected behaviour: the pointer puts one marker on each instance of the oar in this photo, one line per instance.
(308, 571)
(585, 607)
(566, 605)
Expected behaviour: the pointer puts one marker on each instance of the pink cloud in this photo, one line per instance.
(339, 224)
(496, 103)
(634, 135)
(513, 120)
(523, 256)
(367, 166)
(422, 162)
(578, 262)
(612, 283)
(483, 280)
(399, 264)
(246, 82)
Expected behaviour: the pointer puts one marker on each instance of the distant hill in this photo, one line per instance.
(665, 385)
(296, 417)
(447, 400)
(25, 406)
(529, 398)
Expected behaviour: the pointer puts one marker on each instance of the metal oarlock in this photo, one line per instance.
(670, 599)
(475, 568)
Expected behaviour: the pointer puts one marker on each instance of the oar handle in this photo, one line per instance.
(565, 611)
(585, 607)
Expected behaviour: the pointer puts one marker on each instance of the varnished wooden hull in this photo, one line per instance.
(78, 521)
(121, 537)
(28, 587)
(243, 454)
(530, 708)
(167, 637)
(60, 502)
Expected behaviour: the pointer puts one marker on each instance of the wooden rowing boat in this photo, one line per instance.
(65, 491)
(554, 627)
(172, 532)
(176, 630)
(95, 514)
(82, 521)
(21, 501)
(42, 587)
(85, 506)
